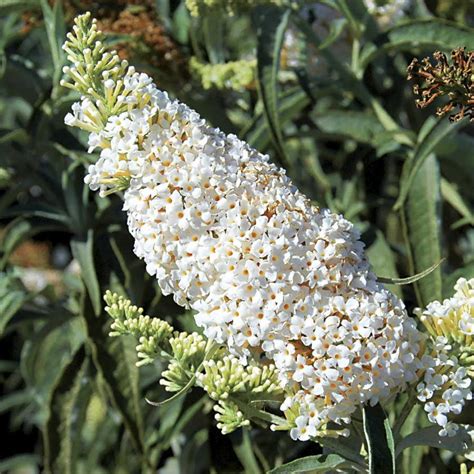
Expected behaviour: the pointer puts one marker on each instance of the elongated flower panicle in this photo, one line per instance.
(225, 231)
(446, 385)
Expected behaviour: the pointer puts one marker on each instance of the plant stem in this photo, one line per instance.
(406, 410)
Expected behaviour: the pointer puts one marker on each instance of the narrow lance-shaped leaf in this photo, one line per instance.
(426, 146)
(452, 195)
(379, 440)
(115, 359)
(271, 23)
(460, 443)
(318, 463)
(12, 298)
(430, 34)
(83, 252)
(423, 216)
(242, 445)
(382, 259)
(410, 279)
(291, 103)
(55, 29)
(57, 433)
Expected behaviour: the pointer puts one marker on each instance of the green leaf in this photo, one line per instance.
(360, 126)
(75, 192)
(18, 135)
(58, 429)
(460, 443)
(429, 138)
(451, 194)
(20, 463)
(55, 29)
(181, 23)
(83, 252)
(242, 445)
(419, 34)
(410, 279)
(363, 127)
(382, 259)
(270, 23)
(336, 29)
(379, 440)
(15, 399)
(291, 103)
(319, 463)
(15, 233)
(8, 6)
(45, 354)
(12, 297)
(456, 155)
(213, 29)
(423, 220)
(115, 359)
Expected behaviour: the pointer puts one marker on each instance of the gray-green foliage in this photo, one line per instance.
(333, 107)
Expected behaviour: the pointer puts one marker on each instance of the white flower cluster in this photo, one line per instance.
(387, 12)
(446, 385)
(228, 235)
(445, 388)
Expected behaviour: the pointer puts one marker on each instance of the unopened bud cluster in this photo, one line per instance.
(235, 75)
(152, 333)
(189, 351)
(226, 376)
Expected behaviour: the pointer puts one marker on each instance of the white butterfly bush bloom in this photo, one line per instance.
(446, 385)
(268, 273)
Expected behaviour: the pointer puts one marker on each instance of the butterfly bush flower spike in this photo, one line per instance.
(270, 276)
(446, 384)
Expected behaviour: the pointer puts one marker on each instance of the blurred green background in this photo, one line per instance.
(322, 88)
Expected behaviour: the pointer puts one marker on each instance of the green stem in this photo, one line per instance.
(246, 455)
(411, 261)
(406, 410)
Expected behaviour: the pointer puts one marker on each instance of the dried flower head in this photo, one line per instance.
(455, 81)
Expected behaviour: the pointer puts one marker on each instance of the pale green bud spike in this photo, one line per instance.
(227, 376)
(229, 417)
(235, 75)
(152, 333)
(90, 64)
(188, 352)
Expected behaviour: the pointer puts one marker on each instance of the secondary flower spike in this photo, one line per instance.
(227, 233)
(446, 383)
